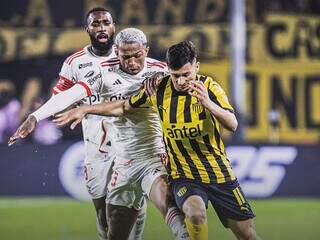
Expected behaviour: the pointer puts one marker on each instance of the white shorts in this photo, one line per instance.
(97, 175)
(130, 182)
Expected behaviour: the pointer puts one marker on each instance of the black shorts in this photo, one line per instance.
(226, 198)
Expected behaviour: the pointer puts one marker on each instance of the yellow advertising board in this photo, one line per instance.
(292, 90)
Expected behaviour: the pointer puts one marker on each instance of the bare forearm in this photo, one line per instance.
(116, 108)
(225, 117)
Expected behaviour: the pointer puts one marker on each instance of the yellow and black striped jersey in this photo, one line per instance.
(190, 132)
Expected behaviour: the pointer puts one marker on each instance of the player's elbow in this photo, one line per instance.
(232, 124)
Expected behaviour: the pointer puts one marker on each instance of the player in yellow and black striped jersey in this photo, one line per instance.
(191, 108)
(191, 134)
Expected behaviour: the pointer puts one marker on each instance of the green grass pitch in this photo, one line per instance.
(66, 219)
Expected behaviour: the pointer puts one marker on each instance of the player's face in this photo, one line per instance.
(132, 57)
(182, 77)
(100, 28)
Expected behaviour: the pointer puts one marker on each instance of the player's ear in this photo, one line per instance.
(197, 66)
(116, 50)
(147, 50)
(86, 28)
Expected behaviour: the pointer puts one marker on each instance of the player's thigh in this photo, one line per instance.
(122, 190)
(154, 184)
(97, 175)
(160, 194)
(190, 197)
(120, 221)
(153, 176)
(229, 202)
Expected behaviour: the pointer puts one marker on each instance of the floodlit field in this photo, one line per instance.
(63, 218)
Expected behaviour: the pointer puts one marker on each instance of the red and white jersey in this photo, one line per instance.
(79, 64)
(137, 135)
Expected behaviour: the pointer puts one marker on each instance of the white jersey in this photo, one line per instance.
(137, 136)
(80, 64)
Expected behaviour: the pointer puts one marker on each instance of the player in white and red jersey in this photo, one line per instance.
(138, 169)
(98, 159)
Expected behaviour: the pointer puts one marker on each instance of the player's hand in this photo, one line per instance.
(198, 89)
(151, 83)
(24, 129)
(74, 115)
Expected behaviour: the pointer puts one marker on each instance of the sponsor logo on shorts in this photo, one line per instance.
(182, 191)
(84, 65)
(155, 171)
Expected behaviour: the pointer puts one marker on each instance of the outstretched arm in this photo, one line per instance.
(115, 109)
(54, 105)
(225, 117)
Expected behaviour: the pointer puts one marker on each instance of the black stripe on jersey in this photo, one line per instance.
(222, 166)
(160, 96)
(187, 112)
(216, 134)
(192, 166)
(141, 101)
(203, 78)
(173, 106)
(195, 146)
(215, 100)
(176, 160)
(202, 115)
(168, 166)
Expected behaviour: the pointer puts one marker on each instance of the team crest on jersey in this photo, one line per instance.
(197, 107)
(182, 191)
(84, 65)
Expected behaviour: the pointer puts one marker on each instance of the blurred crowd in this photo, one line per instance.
(14, 109)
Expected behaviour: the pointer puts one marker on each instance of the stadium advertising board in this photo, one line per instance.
(283, 56)
(263, 170)
(293, 91)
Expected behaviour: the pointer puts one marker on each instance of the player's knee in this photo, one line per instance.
(196, 213)
(159, 195)
(194, 209)
(197, 216)
(250, 233)
(247, 232)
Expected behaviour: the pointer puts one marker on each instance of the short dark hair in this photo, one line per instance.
(181, 54)
(96, 9)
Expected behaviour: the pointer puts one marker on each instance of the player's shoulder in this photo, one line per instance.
(153, 63)
(77, 56)
(207, 80)
(111, 62)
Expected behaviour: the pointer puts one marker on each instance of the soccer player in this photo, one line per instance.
(138, 168)
(98, 160)
(191, 108)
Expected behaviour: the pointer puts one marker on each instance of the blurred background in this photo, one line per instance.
(265, 54)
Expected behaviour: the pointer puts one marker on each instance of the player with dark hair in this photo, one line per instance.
(136, 140)
(100, 27)
(191, 108)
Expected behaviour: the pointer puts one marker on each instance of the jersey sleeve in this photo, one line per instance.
(141, 99)
(218, 95)
(65, 79)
